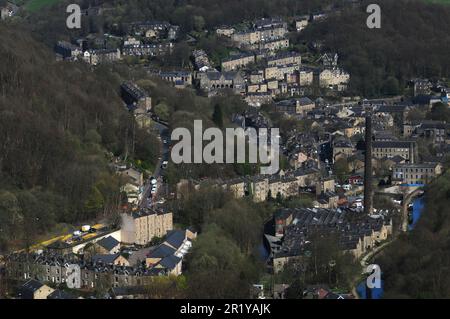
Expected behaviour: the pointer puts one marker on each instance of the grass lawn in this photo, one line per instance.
(35, 5)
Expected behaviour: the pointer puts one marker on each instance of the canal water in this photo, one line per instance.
(417, 211)
(263, 252)
(377, 293)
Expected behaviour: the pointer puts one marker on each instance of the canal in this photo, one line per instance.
(377, 293)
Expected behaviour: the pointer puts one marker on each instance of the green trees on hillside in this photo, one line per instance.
(194, 15)
(224, 261)
(439, 112)
(60, 125)
(218, 269)
(218, 115)
(417, 264)
(412, 42)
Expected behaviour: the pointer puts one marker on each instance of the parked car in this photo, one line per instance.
(347, 187)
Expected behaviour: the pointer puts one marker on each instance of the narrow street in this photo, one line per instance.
(148, 200)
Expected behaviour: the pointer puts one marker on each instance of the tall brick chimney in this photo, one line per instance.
(368, 193)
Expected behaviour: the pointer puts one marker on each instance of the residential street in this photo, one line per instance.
(158, 173)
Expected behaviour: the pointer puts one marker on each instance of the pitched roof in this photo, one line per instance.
(60, 294)
(215, 76)
(27, 290)
(108, 242)
(392, 144)
(169, 262)
(175, 238)
(305, 101)
(32, 285)
(105, 258)
(161, 251)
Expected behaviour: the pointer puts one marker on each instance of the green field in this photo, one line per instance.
(34, 5)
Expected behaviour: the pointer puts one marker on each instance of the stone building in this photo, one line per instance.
(301, 23)
(67, 50)
(95, 57)
(152, 49)
(422, 87)
(284, 59)
(416, 173)
(332, 77)
(33, 289)
(256, 99)
(354, 233)
(279, 72)
(274, 44)
(225, 31)
(246, 38)
(330, 60)
(211, 81)
(271, 28)
(259, 187)
(142, 226)
(238, 61)
(264, 30)
(237, 187)
(305, 77)
(201, 60)
(390, 149)
(296, 106)
(177, 78)
(135, 97)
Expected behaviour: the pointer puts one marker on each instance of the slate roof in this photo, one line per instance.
(175, 238)
(238, 56)
(108, 243)
(215, 76)
(32, 285)
(169, 262)
(175, 74)
(392, 108)
(391, 144)
(60, 294)
(27, 290)
(161, 252)
(283, 55)
(105, 258)
(347, 225)
(305, 101)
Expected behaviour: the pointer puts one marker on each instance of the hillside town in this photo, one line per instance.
(344, 178)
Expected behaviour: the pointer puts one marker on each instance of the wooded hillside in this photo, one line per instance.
(60, 124)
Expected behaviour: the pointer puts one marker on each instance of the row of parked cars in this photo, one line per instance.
(154, 185)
